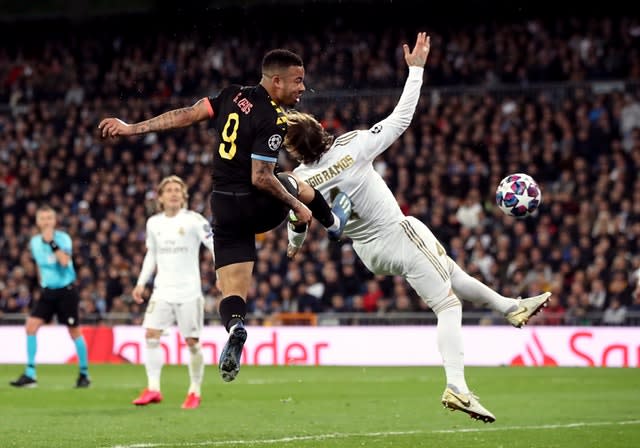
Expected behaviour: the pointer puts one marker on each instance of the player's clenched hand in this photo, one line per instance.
(418, 56)
(137, 293)
(114, 127)
(302, 213)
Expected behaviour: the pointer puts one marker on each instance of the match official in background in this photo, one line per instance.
(51, 250)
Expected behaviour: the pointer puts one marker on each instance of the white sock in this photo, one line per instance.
(336, 222)
(450, 345)
(153, 363)
(296, 239)
(196, 369)
(470, 289)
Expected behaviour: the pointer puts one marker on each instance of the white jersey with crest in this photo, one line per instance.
(387, 241)
(173, 250)
(348, 167)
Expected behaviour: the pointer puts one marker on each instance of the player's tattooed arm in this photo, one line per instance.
(177, 118)
(263, 178)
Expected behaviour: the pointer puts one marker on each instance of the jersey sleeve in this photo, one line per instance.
(149, 262)
(385, 132)
(150, 240)
(215, 102)
(214, 105)
(205, 233)
(270, 132)
(32, 248)
(63, 240)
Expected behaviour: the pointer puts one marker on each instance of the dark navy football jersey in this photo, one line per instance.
(250, 126)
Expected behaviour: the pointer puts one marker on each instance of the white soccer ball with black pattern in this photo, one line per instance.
(518, 195)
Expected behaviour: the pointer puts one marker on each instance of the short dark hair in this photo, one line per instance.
(280, 58)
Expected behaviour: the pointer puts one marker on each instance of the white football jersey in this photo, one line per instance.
(348, 167)
(173, 249)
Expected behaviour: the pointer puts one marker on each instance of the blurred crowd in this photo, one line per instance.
(583, 148)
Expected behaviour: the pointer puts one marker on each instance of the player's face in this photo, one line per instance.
(172, 197)
(45, 220)
(291, 86)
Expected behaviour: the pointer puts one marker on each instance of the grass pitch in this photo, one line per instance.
(312, 407)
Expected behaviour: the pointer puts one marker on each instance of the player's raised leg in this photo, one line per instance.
(341, 208)
(516, 311)
(333, 218)
(527, 308)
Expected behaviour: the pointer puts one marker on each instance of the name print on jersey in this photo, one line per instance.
(343, 164)
(244, 104)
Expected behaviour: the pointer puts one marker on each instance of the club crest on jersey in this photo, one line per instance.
(181, 231)
(274, 142)
(376, 129)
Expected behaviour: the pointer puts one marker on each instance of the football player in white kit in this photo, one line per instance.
(387, 241)
(173, 243)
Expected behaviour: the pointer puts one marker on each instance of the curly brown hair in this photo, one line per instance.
(306, 139)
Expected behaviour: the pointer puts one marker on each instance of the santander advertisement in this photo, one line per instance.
(347, 346)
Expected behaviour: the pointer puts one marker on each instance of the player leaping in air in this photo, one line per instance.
(248, 196)
(387, 241)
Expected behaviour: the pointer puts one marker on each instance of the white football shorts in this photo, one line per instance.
(189, 316)
(410, 250)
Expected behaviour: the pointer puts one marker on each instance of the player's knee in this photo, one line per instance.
(74, 332)
(153, 334)
(450, 301)
(194, 347)
(290, 183)
(33, 325)
(153, 343)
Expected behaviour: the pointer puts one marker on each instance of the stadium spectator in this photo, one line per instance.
(615, 313)
(554, 314)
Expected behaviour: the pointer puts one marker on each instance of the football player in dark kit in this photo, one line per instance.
(248, 196)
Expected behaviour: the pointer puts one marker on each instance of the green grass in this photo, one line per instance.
(326, 407)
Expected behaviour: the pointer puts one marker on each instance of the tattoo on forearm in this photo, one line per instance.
(173, 119)
(264, 179)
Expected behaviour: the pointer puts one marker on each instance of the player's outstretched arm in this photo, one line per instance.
(384, 133)
(177, 118)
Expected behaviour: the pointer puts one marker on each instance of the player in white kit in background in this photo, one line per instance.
(173, 243)
(387, 241)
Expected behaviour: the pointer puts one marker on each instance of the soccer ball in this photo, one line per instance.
(518, 195)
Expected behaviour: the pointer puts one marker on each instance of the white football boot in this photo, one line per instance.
(527, 308)
(469, 403)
